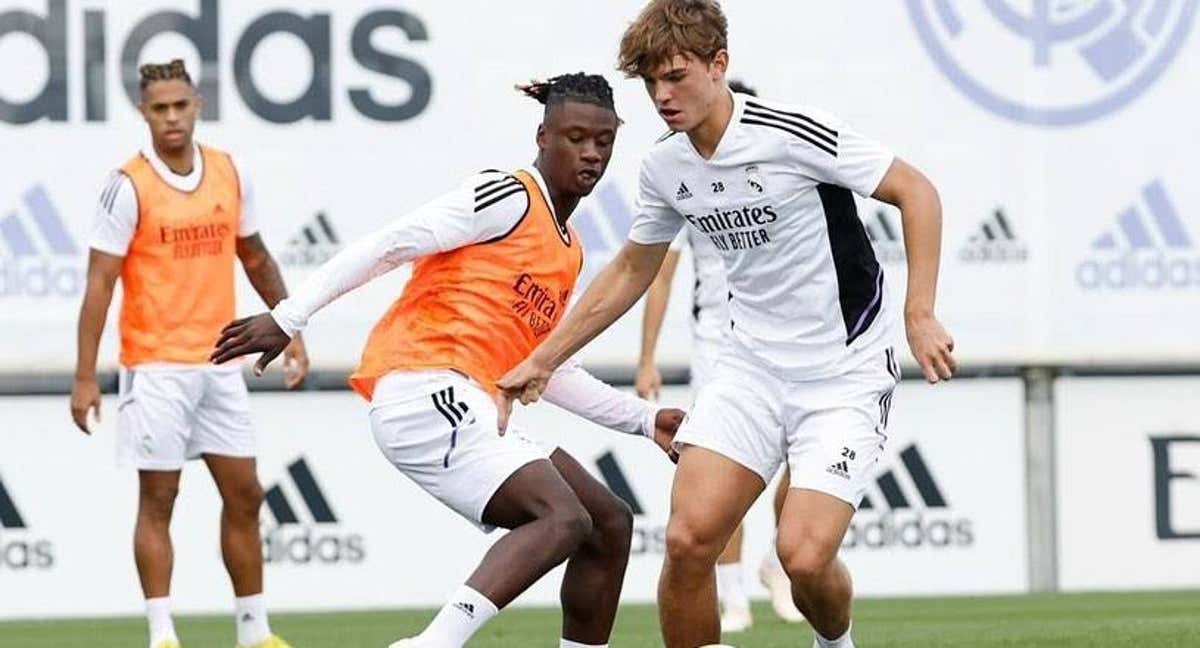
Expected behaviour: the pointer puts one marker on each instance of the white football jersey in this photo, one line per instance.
(806, 294)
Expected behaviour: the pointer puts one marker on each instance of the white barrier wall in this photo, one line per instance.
(343, 529)
(1128, 482)
(1056, 140)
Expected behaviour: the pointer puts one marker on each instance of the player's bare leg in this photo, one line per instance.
(152, 548)
(710, 496)
(811, 529)
(241, 544)
(591, 586)
(548, 524)
(241, 499)
(771, 573)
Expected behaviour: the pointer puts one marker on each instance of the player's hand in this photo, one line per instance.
(648, 381)
(666, 423)
(249, 335)
(295, 363)
(932, 347)
(85, 395)
(525, 382)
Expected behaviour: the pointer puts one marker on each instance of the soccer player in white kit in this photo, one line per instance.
(710, 323)
(808, 373)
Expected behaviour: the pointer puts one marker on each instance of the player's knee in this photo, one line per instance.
(571, 525)
(805, 559)
(613, 524)
(244, 499)
(157, 502)
(685, 545)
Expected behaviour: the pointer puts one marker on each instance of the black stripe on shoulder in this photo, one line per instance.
(110, 191)
(793, 131)
(504, 191)
(495, 188)
(800, 116)
(489, 183)
(666, 136)
(790, 122)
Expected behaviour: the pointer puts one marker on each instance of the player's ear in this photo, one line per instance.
(542, 137)
(719, 65)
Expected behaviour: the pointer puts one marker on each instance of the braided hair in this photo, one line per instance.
(175, 69)
(586, 88)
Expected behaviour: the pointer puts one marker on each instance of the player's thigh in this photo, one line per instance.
(736, 415)
(444, 438)
(224, 426)
(840, 431)
(811, 527)
(155, 418)
(533, 491)
(709, 497)
(236, 479)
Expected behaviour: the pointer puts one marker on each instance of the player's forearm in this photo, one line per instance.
(657, 298)
(612, 293)
(267, 281)
(92, 315)
(577, 391)
(921, 214)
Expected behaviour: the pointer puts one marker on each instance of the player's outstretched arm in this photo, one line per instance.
(572, 388)
(103, 270)
(921, 215)
(649, 381)
(263, 273)
(612, 292)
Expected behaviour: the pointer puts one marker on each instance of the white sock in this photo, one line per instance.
(158, 614)
(843, 641)
(462, 616)
(567, 643)
(730, 589)
(251, 617)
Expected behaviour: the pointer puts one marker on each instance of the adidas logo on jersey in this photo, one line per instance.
(291, 541)
(38, 256)
(884, 235)
(994, 242)
(839, 469)
(314, 244)
(23, 552)
(683, 193)
(904, 507)
(1150, 248)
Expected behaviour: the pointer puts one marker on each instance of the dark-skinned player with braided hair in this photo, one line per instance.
(494, 265)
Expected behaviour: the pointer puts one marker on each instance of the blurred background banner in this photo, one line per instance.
(1060, 135)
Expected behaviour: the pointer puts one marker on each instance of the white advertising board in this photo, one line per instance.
(1128, 482)
(342, 529)
(1067, 198)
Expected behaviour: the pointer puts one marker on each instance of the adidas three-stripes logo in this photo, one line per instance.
(918, 473)
(310, 493)
(1167, 231)
(48, 225)
(455, 413)
(493, 191)
(10, 517)
(793, 123)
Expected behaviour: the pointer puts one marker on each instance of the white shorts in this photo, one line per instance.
(830, 431)
(440, 429)
(706, 354)
(167, 415)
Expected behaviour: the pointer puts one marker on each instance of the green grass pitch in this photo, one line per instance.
(1159, 619)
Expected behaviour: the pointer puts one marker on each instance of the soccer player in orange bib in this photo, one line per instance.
(170, 223)
(494, 267)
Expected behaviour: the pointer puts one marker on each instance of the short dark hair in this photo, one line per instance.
(175, 69)
(587, 88)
